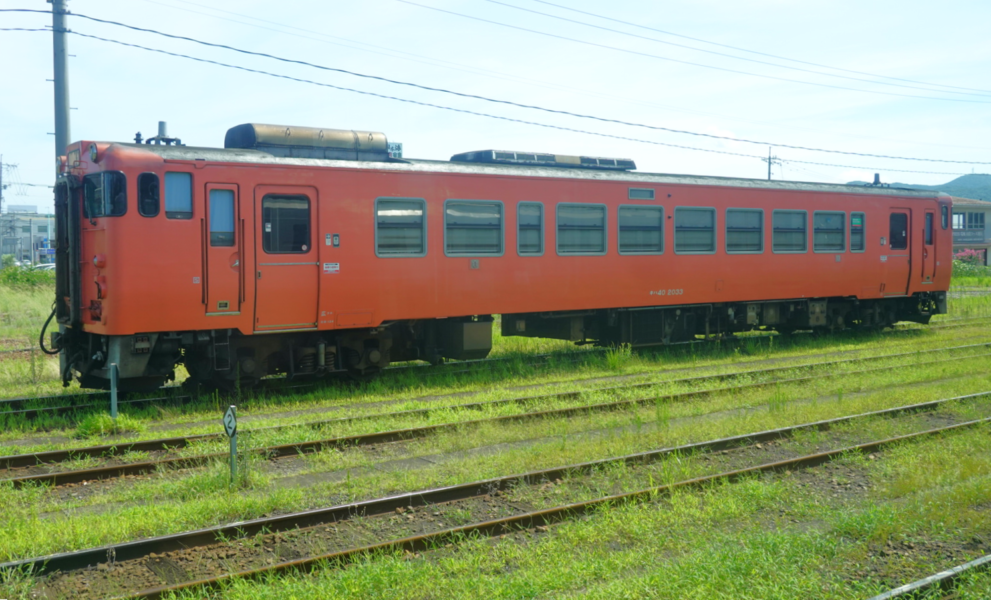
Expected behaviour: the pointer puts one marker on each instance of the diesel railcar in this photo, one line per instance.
(304, 251)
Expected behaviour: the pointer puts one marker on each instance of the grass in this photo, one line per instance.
(777, 538)
(764, 538)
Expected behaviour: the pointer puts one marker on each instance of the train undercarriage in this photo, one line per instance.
(224, 358)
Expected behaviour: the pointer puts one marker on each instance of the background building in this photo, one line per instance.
(24, 232)
(970, 226)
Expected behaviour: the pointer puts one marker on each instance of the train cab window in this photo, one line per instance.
(858, 239)
(400, 227)
(789, 231)
(898, 231)
(641, 230)
(581, 229)
(285, 224)
(148, 198)
(945, 216)
(105, 194)
(472, 228)
(178, 196)
(828, 232)
(221, 218)
(694, 230)
(744, 231)
(530, 229)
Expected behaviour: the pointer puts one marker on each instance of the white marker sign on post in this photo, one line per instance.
(230, 428)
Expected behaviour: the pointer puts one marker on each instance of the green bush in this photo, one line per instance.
(18, 277)
(970, 269)
(6, 261)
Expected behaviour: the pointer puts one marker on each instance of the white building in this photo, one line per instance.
(24, 232)
(970, 226)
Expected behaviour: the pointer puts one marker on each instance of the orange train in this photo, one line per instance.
(305, 251)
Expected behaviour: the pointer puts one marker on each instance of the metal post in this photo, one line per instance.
(60, 53)
(1, 204)
(113, 391)
(234, 459)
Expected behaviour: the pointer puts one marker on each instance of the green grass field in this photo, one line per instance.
(849, 530)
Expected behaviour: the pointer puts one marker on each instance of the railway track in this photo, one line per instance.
(26, 463)
(23, 406)
(943, 581)
(187, 560)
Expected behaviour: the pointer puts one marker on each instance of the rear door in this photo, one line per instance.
(286, 275)
(896, 256)
(222, 250)
(929, 247)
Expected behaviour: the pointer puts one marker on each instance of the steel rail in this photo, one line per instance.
(537, 518)
(80, 559)
(296, 448)
(944, 580)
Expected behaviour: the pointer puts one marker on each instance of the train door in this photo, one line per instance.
(896, 255)
(286, 275)
(928, 247)
(222, 249)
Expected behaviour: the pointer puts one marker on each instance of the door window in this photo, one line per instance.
(285, 224)
(221, 217)
(898, 231)
(857, 237)
(929, 229)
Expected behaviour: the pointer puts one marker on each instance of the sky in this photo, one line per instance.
(900, 78)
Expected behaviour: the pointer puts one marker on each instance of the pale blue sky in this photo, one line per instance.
(119, 91)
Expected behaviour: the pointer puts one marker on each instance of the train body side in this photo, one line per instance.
(142, 275)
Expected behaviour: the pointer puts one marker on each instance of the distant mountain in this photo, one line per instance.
(976, 187)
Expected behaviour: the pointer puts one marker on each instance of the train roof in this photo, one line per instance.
(250, 156)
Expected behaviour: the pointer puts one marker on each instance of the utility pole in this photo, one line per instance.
(1, 204)
(770, 160)
(60, 52)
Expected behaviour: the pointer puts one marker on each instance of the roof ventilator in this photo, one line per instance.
(506, 157)
(309, 142)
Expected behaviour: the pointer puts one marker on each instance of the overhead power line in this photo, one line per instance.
(481, 114)
(364, 46)
(685, 62)
(724, 54)
(487, 99)
(739, 49)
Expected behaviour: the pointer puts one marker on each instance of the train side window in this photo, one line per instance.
(641, 230)
(945, 216)
(221, 218)
(285, 224)
(898, 231)
(581, 229)
(641, 194)
(530, 229)
(828, 231)
(929, 229)
(744, 231)
(400, 227)
(858, 239)
(178, 195)
(694, 230)
(472, 228)
(148, 197)
(789, 231)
